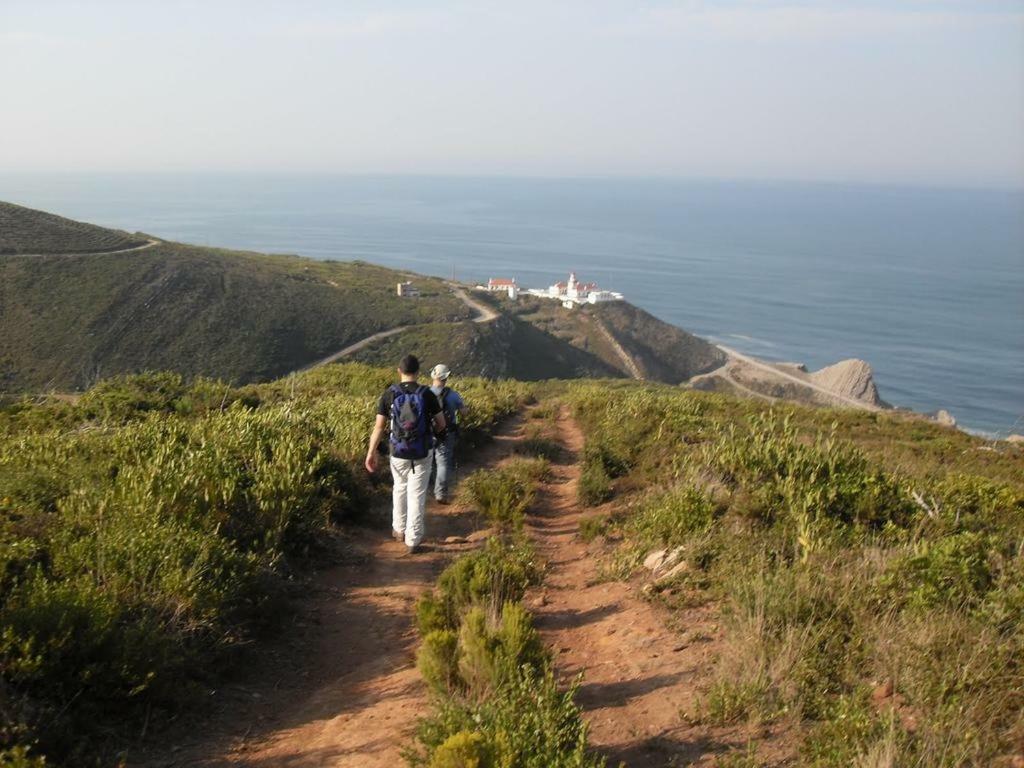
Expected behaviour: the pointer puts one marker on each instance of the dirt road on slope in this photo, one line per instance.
(484, 314)
(780, 374)
(148, 244)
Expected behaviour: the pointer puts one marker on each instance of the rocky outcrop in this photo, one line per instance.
(943, 417)
(849, 378)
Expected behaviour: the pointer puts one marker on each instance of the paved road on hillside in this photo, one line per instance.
(852, 402)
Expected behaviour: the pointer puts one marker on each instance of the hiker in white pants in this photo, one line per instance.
(409, 498)
(415, 416)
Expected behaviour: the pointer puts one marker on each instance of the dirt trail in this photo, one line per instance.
(344, 690)
(146, 245)
(484, 314)
(640, 676)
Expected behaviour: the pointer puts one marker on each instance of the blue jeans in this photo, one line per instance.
(444, 458)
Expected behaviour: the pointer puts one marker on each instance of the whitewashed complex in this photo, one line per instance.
(570, 293)
(573, 292)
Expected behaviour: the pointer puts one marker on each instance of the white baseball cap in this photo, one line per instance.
(440, 371)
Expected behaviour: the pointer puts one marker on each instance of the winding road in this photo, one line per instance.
(765, 367)
(148, 244)
(484, 314)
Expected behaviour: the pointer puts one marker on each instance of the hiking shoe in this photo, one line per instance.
(413, 550)
(397, 535)
(442, 500)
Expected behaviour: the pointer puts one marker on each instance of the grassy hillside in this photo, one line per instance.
(24, 230)
(866, 570)
(658, 351)
(506, 348)
(537, 339)
(239, 316)
(148, 529)
(246, 317)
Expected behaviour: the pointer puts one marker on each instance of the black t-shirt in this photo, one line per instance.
(429, 400)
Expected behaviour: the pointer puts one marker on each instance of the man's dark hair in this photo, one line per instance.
(410, 364)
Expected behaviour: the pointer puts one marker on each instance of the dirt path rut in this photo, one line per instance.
(640, 677)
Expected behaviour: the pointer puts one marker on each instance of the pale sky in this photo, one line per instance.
(905, 91)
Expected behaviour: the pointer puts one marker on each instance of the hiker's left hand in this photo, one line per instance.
(371, 462)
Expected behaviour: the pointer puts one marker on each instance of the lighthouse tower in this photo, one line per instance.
(572, 288)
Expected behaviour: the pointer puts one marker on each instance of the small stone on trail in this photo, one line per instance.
(540, 601)
(675, 570)
(455, 540)
(654, 560)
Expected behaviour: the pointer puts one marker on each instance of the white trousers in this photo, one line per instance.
(412, 478)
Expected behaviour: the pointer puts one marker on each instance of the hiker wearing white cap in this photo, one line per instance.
(453, 408)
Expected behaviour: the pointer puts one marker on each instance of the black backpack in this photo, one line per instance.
(450, 416)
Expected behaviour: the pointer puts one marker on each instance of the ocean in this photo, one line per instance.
(927, 285)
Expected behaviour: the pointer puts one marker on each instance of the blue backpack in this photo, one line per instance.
(410, 432)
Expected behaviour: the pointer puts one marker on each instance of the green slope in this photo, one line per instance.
(238, 316)
(25, 230)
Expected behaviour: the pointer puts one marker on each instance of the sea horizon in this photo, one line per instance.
(922, 282)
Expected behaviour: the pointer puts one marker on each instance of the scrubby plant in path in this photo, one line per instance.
(496, 700)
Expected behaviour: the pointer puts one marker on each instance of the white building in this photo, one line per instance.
(407, 290)
(501, 285)
(574, 292)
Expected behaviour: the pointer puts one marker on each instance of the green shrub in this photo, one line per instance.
(437, 660)
(527, 723)
(504, 494)
(464, 749)
(953, 570)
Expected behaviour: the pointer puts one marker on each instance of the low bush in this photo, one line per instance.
(503, 495)
(495, 699)
(147, 530)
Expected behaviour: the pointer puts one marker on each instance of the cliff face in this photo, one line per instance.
(658, 350)
(849, 378)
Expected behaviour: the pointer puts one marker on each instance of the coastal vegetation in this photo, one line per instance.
(867, 568)
(24, 230)
(241, 317)
(148, 531)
